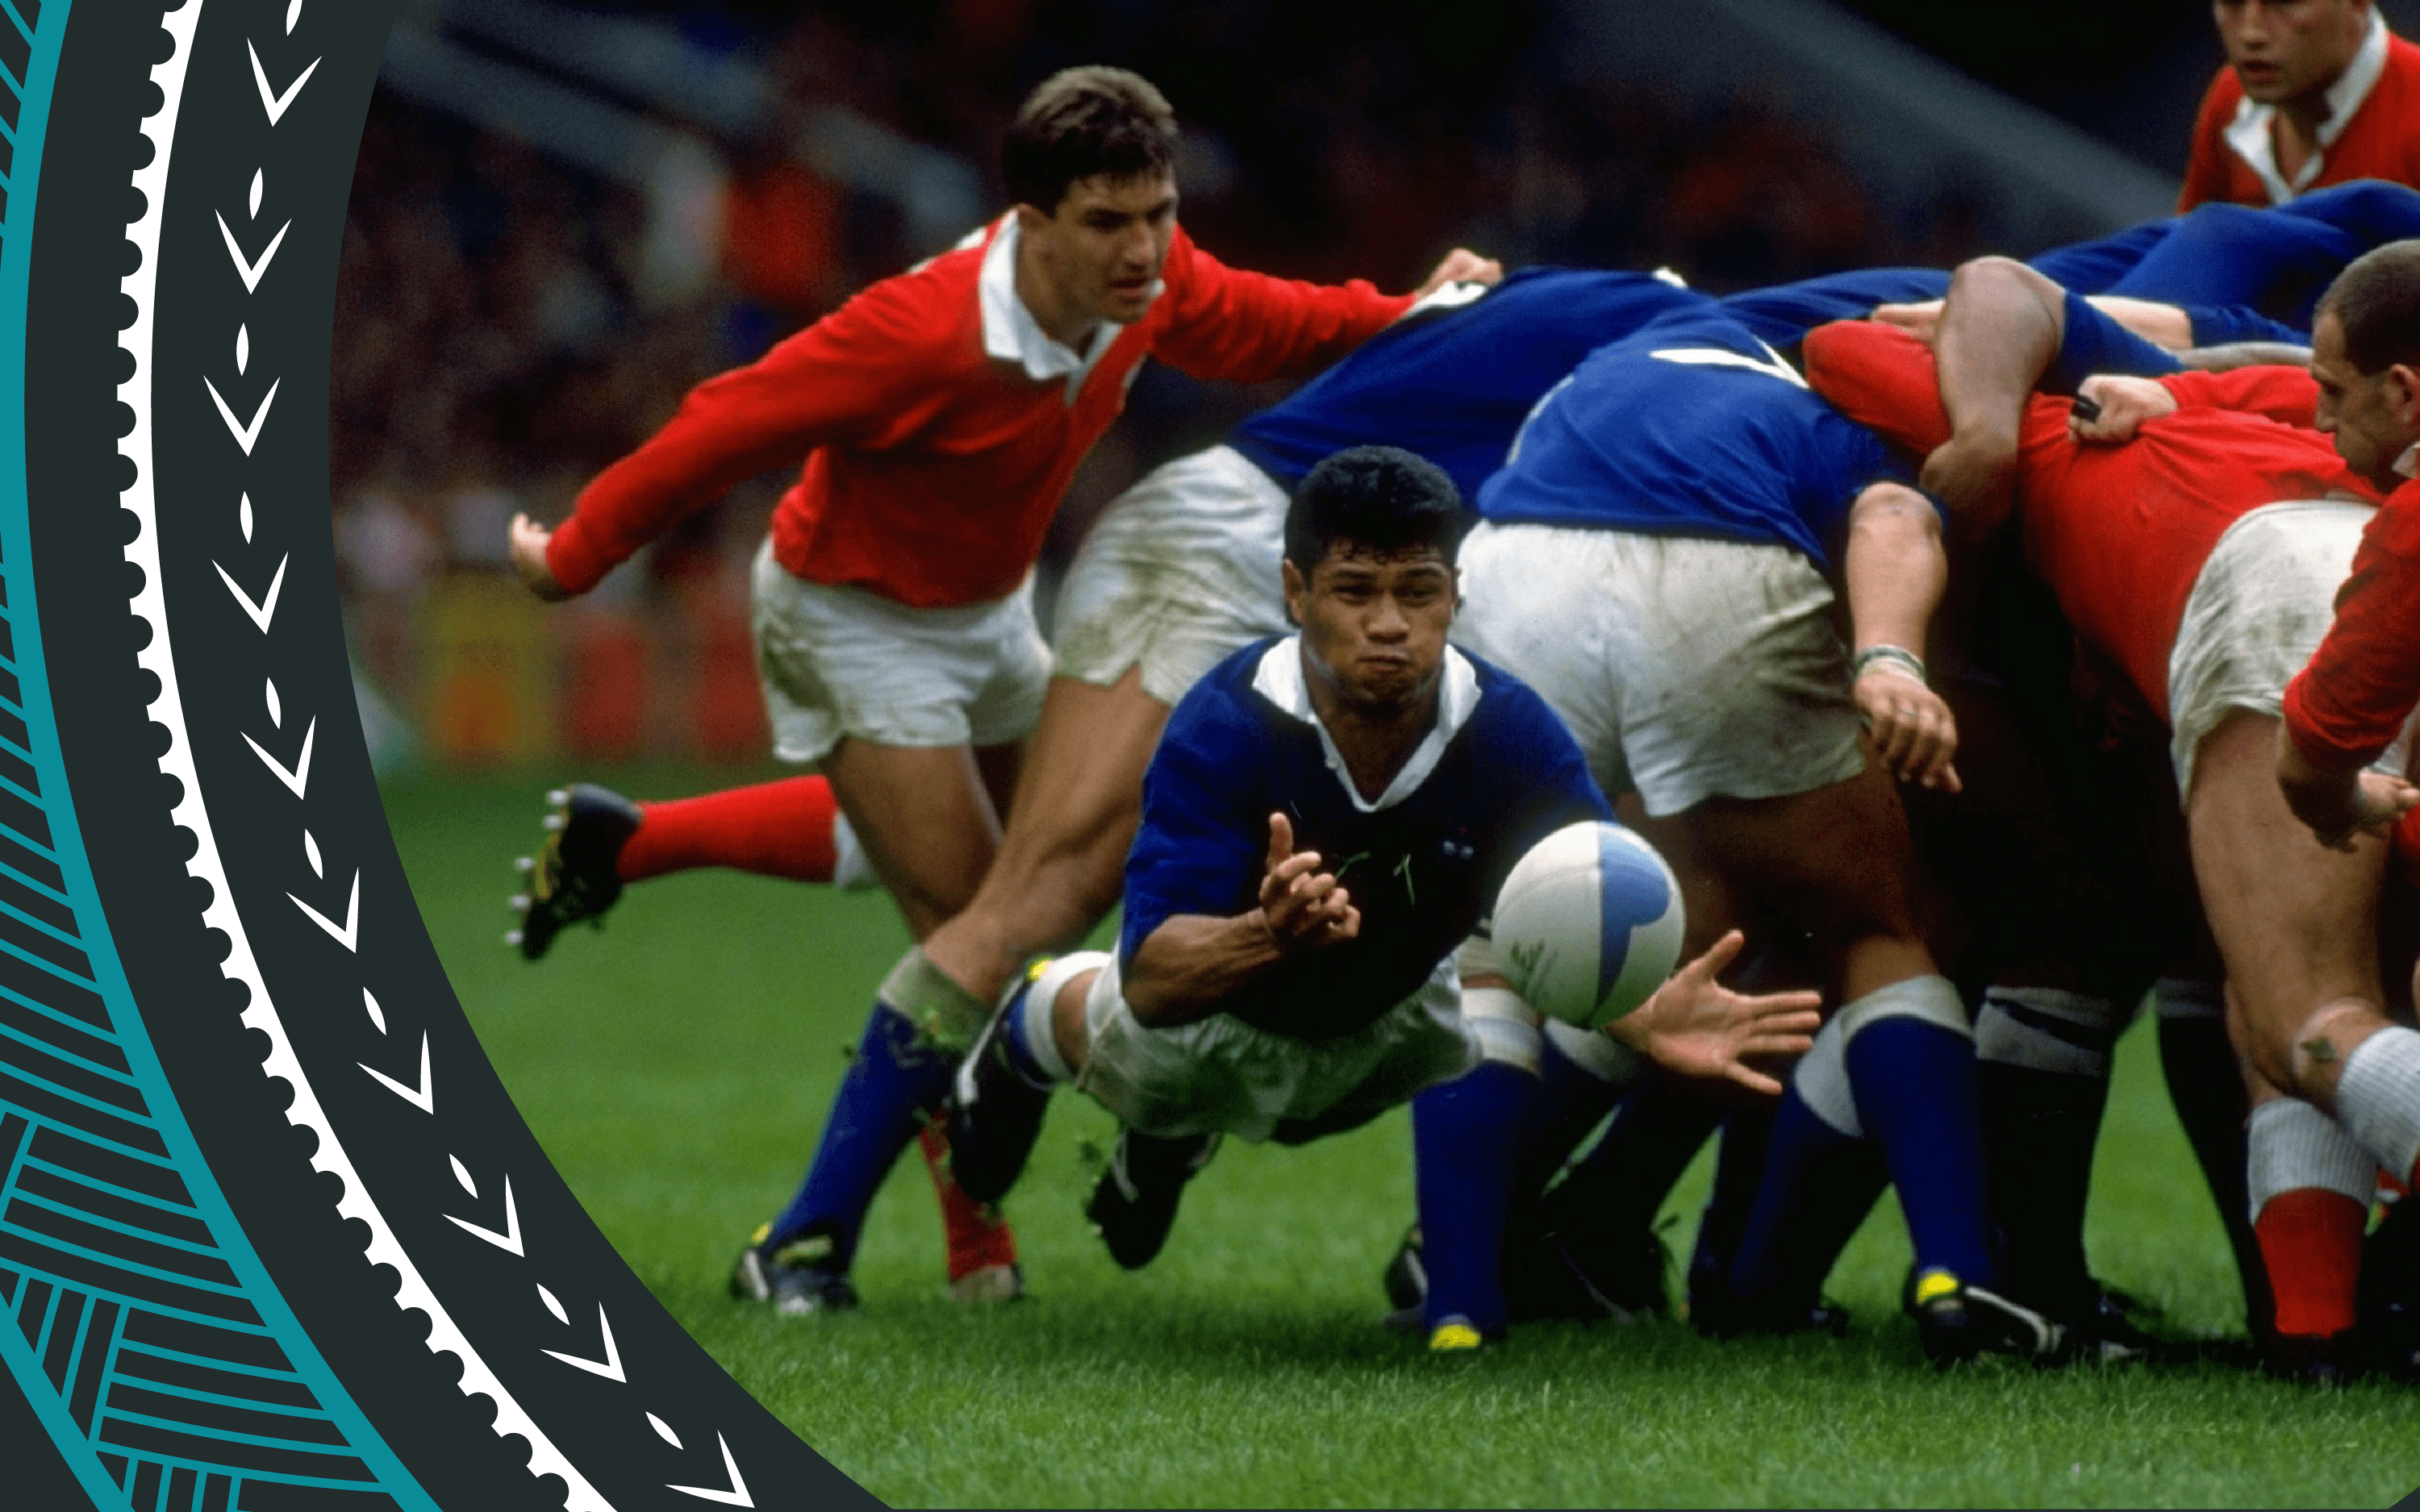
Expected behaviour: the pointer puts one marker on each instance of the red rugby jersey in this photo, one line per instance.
(2346, 706)
(2118, 533)
(931, 469)
(2380, 139)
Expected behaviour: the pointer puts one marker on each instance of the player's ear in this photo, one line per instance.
(2403, 394)
(1296, 590)
(1031, 222)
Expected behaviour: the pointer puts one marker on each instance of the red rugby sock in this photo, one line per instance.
(979, 1236)
(2311, 1239)
(774, 829)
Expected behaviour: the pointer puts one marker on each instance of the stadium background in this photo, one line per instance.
(562, 218)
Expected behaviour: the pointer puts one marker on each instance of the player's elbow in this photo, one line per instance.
(1894, 512)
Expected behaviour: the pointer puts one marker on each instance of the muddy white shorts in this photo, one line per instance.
(2259, 607)
(1180, 570)
(1687, 668)
(841, 662)
(1224, 1075)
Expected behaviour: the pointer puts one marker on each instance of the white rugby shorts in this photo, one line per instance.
(839, 662)
(1180, 570)
(1221, 1074)
(1687, 668)
(2259, 607)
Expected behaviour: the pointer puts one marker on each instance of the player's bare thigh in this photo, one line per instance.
(1835, 860)
(926, 819)
(2296, 922)
(1062, 852)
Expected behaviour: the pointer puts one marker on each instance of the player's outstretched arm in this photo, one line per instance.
(1896, 570)
(1192, 963)
(2339, 806)
(528, 540)
(1696, 1026)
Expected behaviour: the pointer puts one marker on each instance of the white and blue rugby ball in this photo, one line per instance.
(1588, 923)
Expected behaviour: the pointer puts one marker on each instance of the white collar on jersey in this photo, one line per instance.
(2249, 135)
(2408, 465)
(1012, 335)
(1278, 679)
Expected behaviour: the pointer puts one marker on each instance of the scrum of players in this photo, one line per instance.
(1986, 650)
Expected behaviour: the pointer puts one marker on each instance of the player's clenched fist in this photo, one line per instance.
(1301, 904)
(528, 540)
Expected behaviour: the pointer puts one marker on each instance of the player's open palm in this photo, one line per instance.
(1697, 1027)
(1303, 906)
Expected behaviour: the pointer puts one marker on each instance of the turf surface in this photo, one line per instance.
(676, 1064)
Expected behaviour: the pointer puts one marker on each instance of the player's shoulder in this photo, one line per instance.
(1223, 712)
(1507, 708)
(928, 307)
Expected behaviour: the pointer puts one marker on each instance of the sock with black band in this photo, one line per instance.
(2041, 1074)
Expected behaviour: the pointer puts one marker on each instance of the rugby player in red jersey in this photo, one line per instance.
(2314, 92)
(940, 415)
(2160, 528)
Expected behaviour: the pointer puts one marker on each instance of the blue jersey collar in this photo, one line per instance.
(1278, 679)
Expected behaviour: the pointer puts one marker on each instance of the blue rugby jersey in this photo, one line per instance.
(1451, 382)
(1691, 426)
(1423, 866)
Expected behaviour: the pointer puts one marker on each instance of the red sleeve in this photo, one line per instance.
(1226, 323)
(865, 365)
(2285, 394)
(1881, 378)
(2206, 169)
(2348, 704)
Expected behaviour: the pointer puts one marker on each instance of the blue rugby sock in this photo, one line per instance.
(1818, 1185)
(1466, 1137)
(1913, 1079)
(891, 1089)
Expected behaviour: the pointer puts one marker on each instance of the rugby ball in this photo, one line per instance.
(1588, 923)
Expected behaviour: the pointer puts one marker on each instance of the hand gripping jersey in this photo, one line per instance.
(1423, 864)
(932, 467)
(1691, 426)
(2118, 533)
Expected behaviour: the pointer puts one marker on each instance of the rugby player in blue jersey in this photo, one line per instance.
(1328, 816)
(1660, 559)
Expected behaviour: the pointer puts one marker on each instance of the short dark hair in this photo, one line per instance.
(1084, 122)
(2377, 300)
(1381, 498)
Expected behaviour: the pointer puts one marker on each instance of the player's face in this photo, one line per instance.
(1102, 248)
(2373, 416)
(2287, 50)
(1375, 623)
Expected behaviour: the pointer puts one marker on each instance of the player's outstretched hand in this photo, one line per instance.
(528, 540)
(1302, 905)
(2125, 403)
(1697, 1027)
(1915, 733)
(2341, 806)
(1917, 320)
(1462, 266)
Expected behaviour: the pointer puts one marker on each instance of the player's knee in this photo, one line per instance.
(1504, 1027)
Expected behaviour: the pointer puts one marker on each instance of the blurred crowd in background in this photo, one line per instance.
(515, 311)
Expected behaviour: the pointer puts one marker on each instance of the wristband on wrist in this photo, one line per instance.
(1894, 658)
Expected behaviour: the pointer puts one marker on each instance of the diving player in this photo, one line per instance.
(1327, 817)
(940, 414)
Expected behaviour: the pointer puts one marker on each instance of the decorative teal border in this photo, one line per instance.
(21, 181)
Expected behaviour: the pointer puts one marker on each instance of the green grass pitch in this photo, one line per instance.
(677, 1064)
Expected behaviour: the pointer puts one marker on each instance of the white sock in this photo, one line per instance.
(2378, 1098)
(2044, 1029)
(1041, 1006)
(2293, 1146)
(1822, 1080)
